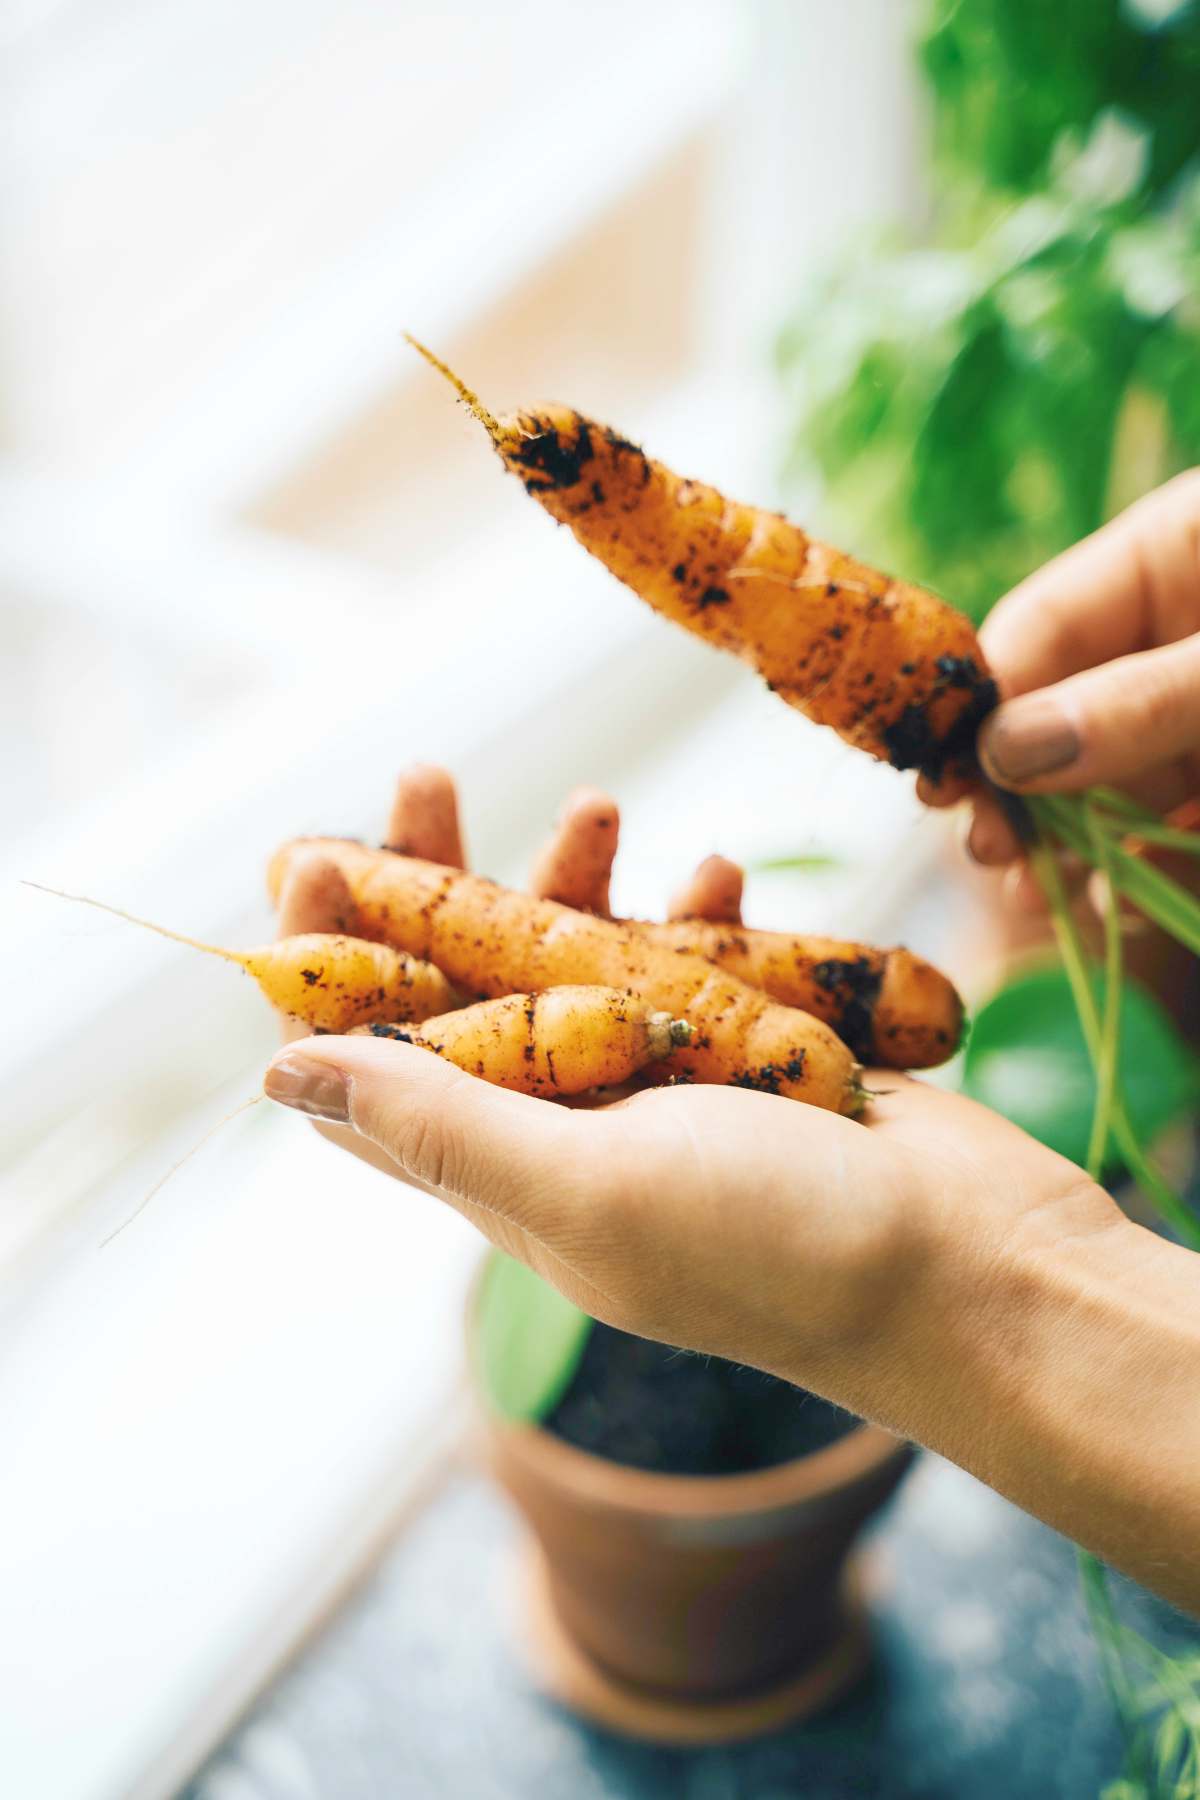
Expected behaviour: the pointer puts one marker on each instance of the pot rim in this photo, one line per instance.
(619, 1487)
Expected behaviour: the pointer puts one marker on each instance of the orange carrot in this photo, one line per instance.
(892, 668)
(889, 1006)
(493, 941)
(564, 1040)
(328, 981)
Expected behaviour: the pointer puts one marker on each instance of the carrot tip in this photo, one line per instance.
(469, 399)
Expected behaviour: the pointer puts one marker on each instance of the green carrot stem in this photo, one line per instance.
(1151, 890)
(1157, 1190)
(1108, 1060)
(1157, 895)
(1109, 1632)
(1113, 800)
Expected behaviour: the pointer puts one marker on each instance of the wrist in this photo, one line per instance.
(1059, 1362)
(992, 1301)
(963, 1298)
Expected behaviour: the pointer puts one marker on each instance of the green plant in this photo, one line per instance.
(967, 408)
(1012, 78)
(1028, 1059)
(526, 1340)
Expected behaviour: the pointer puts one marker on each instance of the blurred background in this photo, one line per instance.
(926, 273)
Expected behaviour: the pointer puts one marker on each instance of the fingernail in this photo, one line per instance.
(310, 1086)
(1028, 737)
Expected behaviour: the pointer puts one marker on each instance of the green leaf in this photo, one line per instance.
(1027, 1059)
(526, 1340)
(814, 863)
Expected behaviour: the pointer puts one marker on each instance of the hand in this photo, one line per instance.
(776, 1234)
(1098, 660)
(935, 1269)
(719, 1219)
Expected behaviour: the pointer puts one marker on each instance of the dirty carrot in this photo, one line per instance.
(561, 1041)
(491, 940)
(889, 1006)
(889, 666)
(328, 981)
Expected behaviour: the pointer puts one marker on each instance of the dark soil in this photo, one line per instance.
(655, 1408)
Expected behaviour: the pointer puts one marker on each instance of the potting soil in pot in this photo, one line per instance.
(652, 1407)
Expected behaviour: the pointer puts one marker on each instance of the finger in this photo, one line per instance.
(947, 790)
(574, 866)
(424, 818)
(1182, 869)
(990, 839)
(713, 892)
(1023, 892)
(1127, 587)
(1185, 816)
(461, 1137)
(1109, 724)
(316, 897)
(515, 1166)
(1133, 924)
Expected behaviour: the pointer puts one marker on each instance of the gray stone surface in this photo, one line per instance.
(985, 1681)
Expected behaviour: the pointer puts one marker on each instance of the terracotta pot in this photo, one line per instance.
(692, 1608)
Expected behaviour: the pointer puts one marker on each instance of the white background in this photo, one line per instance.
(253, 560)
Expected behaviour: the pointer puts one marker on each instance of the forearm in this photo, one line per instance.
(1065, 1372)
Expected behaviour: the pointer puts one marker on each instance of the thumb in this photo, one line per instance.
(1107, 724)
(484, 1149)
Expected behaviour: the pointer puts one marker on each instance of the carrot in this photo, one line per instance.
(889, 1006)
(561, 1041)
(492, 941)
(323, 978)
(892, 668)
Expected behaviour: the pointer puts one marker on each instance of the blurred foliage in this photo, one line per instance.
(1012, 79)
(1026, 1058)
(973, 406)
(526, 1340)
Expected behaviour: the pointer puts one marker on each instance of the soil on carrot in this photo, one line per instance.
(651, 1407)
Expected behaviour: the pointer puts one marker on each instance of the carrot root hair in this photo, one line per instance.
(177, 937)
(469, 399)
(175, 1167)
